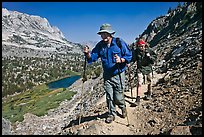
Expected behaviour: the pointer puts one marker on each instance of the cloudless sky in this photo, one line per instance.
(80, 21)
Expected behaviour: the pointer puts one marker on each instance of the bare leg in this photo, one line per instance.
(149, 88)
(139, 93)
(139, 88)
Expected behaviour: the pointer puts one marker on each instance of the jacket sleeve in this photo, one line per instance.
(94, 54)
(153, 56)
(127, 53)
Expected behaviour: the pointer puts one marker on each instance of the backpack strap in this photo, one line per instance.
(118, 42)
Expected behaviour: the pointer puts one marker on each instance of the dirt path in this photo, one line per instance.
(128, 126)
(132, 125)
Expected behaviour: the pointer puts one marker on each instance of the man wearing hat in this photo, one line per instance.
(114, 60)
(145, 58)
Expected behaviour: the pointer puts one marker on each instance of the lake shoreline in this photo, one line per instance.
(63, 82)
(61, 78)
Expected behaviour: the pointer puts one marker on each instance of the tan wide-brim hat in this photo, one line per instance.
(106, 28)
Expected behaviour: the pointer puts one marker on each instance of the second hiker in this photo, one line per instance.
(114, 60)
(145, 58)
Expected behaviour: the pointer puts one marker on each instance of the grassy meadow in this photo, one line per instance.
(36, 101)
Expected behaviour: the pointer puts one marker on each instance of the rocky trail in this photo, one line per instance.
(149, 118)
(138, 122)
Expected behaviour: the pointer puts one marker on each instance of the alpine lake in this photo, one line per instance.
(63, 83)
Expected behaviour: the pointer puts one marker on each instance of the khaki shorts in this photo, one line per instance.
(144, 79)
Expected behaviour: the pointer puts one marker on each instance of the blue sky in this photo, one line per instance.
(80, 21)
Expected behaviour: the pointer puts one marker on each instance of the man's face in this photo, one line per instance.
(142, 47)
(105, 36)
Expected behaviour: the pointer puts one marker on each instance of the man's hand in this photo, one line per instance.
(128, 65)
(118, 59)
(148, 55)
(86, 51)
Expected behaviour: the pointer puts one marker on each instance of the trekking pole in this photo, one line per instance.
(122, 92)
(83, 80)
(137, 85)
(130, 84)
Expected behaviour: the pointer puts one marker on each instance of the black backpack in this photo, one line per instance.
(119, 44)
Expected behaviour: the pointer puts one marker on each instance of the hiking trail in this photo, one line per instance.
(137, 117)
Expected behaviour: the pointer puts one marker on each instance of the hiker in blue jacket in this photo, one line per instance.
(114, 60)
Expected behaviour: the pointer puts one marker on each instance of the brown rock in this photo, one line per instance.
(181, 130)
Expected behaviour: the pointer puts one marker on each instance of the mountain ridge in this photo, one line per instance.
(31, 31)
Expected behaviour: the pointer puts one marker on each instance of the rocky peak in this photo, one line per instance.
(173, 23)
(33, 32)
(20, 21)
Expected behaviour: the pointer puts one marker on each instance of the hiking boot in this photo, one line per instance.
(148, 96)
(110, 119)
(124, 112)
(137, 102)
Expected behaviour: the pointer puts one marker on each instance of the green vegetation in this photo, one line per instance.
(22, 74)
(26, 75)
(98, 71)
(36, 101)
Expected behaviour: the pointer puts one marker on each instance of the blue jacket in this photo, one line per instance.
(110, 68)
